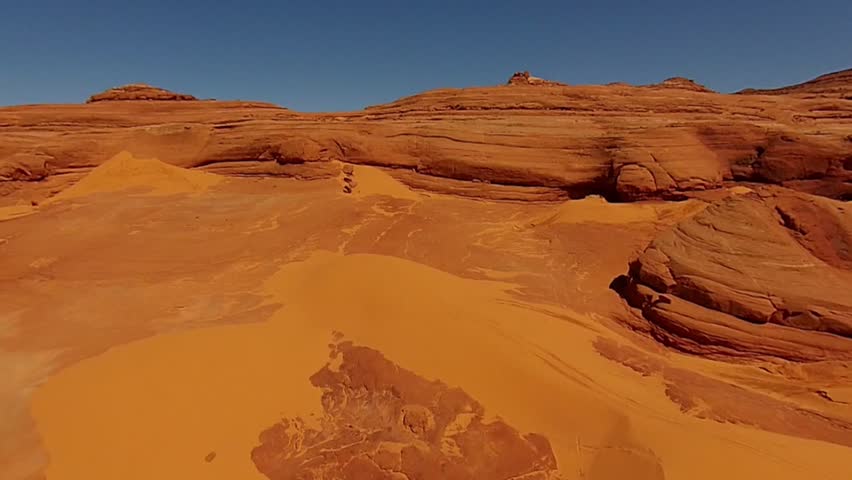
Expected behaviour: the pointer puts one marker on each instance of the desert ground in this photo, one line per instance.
(528, 281)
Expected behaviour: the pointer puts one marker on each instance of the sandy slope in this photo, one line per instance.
(126, 172)
(372, 181)
(185, 395)
(594, 209)
(209, 307)
(15, 211)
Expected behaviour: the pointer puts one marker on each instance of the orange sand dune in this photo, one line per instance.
(126, 172)
(594, 209)
(213, 390)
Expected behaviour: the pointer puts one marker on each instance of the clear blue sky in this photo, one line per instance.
(343, 55)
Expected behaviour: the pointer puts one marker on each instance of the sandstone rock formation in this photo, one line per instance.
(835, 84)
(681, 83)
(525, 78)
(759, 274)
(138, 92)
(384, 422)
(624, 143)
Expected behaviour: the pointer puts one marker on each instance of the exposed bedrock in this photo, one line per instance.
(624, 142)
(766, 273)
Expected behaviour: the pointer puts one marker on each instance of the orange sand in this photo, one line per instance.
(16, 211)
(125, 172)
(157, 407)
(595, 209)
(373, 181)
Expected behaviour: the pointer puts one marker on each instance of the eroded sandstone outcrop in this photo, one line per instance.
(525, 78)
(625, 143)
(759, 274)
(138, 92)
(681, 83)
(384, 422)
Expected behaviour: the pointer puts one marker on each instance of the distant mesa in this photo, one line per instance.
(681, 83)
(835, 84)
(525, 78)
(674, 83)
(139, 92)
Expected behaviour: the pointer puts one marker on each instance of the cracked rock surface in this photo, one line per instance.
(384, 422)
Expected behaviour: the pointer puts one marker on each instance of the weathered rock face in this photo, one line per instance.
(138, 91)
(762, 274)
(835, 84)
(517, 143)
(525, 78)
